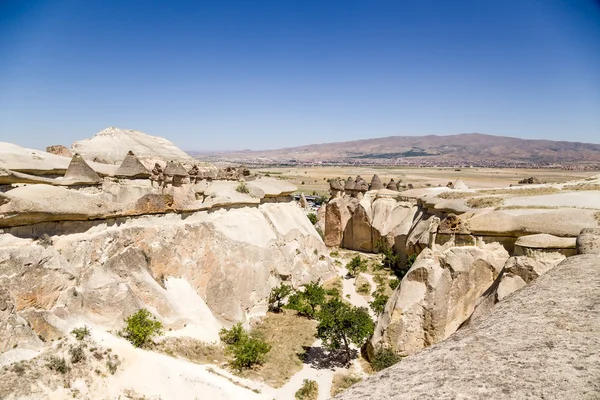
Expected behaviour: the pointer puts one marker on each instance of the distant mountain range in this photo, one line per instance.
(463, 148)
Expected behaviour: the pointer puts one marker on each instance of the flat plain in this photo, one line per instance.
(314, 179)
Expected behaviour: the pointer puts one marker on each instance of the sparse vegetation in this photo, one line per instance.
(484, 202)
(242, 188)
(334, 254)
(384, 358)
(308, 391)
(246, 350)
(192, 350)
(312, 217)
(356, 265)
(277, 297)
(57, 364)
(77, 353)
(393, 283)
(81, 333)
(342, 381)
(141, 328)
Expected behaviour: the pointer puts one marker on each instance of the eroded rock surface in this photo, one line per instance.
(540, 343)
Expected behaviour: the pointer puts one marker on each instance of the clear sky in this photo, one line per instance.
(259, 74)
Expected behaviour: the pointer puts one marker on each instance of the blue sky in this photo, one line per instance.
(269, 74)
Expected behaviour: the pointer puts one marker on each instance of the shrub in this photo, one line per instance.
(384, 358)
(342, 381)
(81, 333)
(312, 218)
(308, 391)
(141, 327)
(277, 297)
(57, 364)
(242, 188)
(356, 265)
(234, 335)
(246, 350)
(410, 261)
(391, 261)
(334, 254)
(77, 353)
(379, 302)
(364, 288)
(112, 363)
(394, 283)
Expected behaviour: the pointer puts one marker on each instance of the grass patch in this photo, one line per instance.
(484, 202)
(192, 350)
(308, 391)
(586, 186)
(362, 285)
(287, 333)
(334, 284)
(342, 381)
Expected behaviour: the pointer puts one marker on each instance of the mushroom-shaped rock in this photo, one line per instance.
(335, 184)
(361, 185)
(376, 183)
(392, 185)
(349, 184)
(80, 171)
(132, 168)
(175, 169)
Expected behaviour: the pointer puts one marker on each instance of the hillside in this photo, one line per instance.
(473, 148)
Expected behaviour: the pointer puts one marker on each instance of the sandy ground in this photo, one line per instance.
(582, 199)
(315, 178)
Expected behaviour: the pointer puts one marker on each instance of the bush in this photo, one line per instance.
(141, 327)
(112, 363)
(277, 297)
(334, 254)
(379, 302)
(308, 391)
(234, 335)
(81, 333)
(364, 289)
(77, 353)
(410, 261)
(312, 218)
(57, 364)
(242, 188)
(394, 283)
(391, 261)
(246, 350)
(356, 265)
(384, 358)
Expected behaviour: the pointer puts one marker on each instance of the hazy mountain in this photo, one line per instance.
(463, 147)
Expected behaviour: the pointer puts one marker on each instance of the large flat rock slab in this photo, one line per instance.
(541, 342)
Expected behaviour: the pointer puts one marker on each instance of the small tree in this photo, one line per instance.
(246, 350)
(277, 297)
(379, 302)
(356, 265)
(312, 217)
(141, 327)
(307, 301)
(341, 324)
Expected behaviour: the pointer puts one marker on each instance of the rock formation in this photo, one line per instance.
(59, 150)
(588, 241)
(132, 168)
(376, 183)
(80, 171)
(437, 295)
(540, 343)
(112, 144)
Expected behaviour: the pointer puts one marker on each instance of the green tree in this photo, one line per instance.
(277, 297)
(141, 327)
(312, 217)
(379, 302)
(356, 265)
(341, 324)
(307, 301)
(234, 335)
(391, 261)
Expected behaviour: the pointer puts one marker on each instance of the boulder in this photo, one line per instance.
(392, 185)
(350, 183)
(542, 242)
(588, 241)
(436, 296)
(337, 216)
(540, 343)
(59, 150)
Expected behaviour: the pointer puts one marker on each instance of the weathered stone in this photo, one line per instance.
(336, 219)
(376, 183)
(80, 171)
(588, 241)
(436, 296)
(531, 244)
(132, 168)
(517, 352)
(349, 184)
(59, 150)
